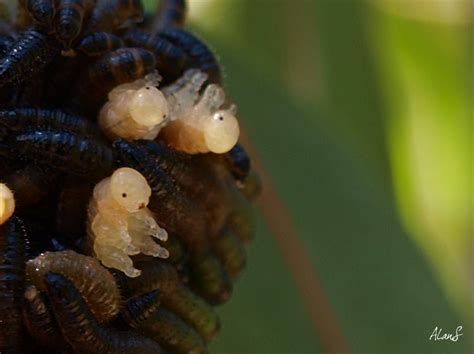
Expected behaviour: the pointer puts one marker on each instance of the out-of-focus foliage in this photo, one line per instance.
(322, 87)
(426, 69)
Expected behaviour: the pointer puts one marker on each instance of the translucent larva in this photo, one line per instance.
(197, 123)
(135, 110)
(96, 285)
(121, 66)
(172, 207)
(7, 203)
(120, 223)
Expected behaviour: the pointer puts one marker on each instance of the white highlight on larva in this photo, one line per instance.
(198, 124)
(135, 110)
(7, 203)
(120, 223)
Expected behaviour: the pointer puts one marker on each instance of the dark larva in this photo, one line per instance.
(109, 15)
(61, 61)
(170, 59)
(69, 19)
(39, 319)
(81, 329)
(13, 243)
(71, 153)
(99, 43)
(30, 185)
(27, 56)
(172, 208)
(208, 278)
(42, 11)
(172, 332)
(112, 69)
(93, 281)
(201, 56)
(171, 13)
(23, 118)
(230, 252)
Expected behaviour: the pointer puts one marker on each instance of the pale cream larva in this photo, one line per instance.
(134, 110)
(7, 203)
(199, 124)
(120, 223)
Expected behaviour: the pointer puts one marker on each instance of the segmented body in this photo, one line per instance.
(112, 69)
(171, 13)
(99, 43)
(200, 55)
(81, 329)
(72, 153)
(27, 56)
(198, 178)
(238, 162)
(69, 19)
(170, 59)
(59, 61)
(109, 15)
(172, 208)
(42, 11)
(13, 243)
(39, 319)
(174, 334)
(95, 284)
(24, 118)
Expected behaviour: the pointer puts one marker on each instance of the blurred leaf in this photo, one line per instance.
(328, 157)
(426, 66)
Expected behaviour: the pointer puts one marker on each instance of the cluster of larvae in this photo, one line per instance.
(125, 197)
(190, 122)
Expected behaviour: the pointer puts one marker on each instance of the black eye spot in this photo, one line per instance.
(148, 87)
(221, 118)
(124, 195)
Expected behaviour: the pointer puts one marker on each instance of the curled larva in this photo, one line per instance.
(120, 223)
(134, 110)
(80, 328)
(198, 124)
(7, 203)
(96, 285)
(39, 320)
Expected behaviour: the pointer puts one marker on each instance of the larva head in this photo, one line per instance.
(129, 189)
(221, 131)
(7, 203)
(148, 106)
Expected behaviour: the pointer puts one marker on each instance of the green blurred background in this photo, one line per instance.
(360, 112)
